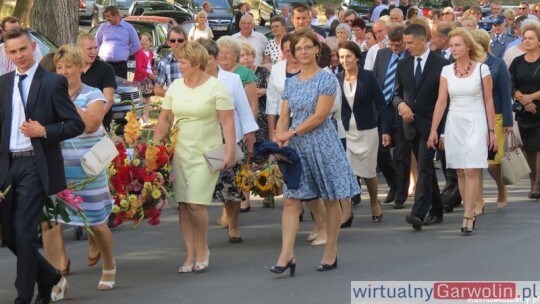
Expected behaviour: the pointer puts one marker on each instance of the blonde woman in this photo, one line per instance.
(201, 30)
(448, 15)
(97, 202)
(470, 122)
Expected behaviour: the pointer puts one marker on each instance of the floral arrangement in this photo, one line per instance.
(65, 202)
(263, 180)
(140, 177)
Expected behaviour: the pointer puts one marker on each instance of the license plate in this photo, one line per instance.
(131, 64)
(219, 28)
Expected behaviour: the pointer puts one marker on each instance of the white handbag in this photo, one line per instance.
(99, 156)
(514, 166)
(216, 156)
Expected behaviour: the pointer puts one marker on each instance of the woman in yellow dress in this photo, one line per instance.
(200, 103)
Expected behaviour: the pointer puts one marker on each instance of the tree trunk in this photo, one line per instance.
(21, 10)
(58, 20)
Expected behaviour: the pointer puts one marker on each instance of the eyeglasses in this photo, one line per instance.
(305, 48)
(522, 8)
(177, 40)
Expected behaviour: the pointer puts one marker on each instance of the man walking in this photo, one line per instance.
(117, 40)
(31, 128)
(417, 88)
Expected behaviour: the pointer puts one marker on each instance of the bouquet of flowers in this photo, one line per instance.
(63, 203)
(263, 180)
(140, 177)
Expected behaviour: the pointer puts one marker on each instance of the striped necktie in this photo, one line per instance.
(388, 86)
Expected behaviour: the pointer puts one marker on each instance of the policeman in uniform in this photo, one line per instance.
(499, 38)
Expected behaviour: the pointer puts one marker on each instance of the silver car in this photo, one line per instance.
(85, 9)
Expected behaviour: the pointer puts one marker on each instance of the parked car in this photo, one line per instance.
(159, 8)
(361, 8)
(100, 5)
(427, 5)
(221, 19)
(157, 27)
(271, 8)
(85, 9)
(126, 95)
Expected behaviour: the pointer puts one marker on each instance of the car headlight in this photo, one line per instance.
(117, 98)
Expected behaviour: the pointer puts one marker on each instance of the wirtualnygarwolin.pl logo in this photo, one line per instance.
(448, 292)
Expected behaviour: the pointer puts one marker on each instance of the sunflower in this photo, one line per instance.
(262, 182)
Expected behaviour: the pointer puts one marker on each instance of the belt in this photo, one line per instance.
(21, 154)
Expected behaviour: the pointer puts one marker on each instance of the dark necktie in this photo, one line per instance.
(418, 72)
(388, 86)
(21, 90)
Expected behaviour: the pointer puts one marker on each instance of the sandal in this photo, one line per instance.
(93, 260)
(202, 266)
(61, 293)
(107, 285)
(186, 269)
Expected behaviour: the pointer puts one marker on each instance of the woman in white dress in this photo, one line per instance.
(467, 134)
(201, 30)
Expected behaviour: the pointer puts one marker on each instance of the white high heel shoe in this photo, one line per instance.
(61, 293)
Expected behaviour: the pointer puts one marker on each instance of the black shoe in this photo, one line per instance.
(377, 218)
(447, 208)
(389, 197)
(348, 223)
(356, 200)
(432, 220)
(327, 267)
(466, 230)
(244, 210)
(44, 291)
(41, 300)
(282, 269)
(235, 239)
(399, 205)
(415, 221)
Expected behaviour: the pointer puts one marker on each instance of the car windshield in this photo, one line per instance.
(357, 3)
(215, 3)
(45, 45)
(156, 6)
(124, 4)
(289, 3)
(436, 3)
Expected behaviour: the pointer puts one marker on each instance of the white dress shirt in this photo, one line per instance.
(17, 141)
(424, 57)
(258, 41)
(276, 85)
(244, 122)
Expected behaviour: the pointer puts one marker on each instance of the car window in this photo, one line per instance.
(45, 45)
(436, 3)
(155, 6)
(215, 3)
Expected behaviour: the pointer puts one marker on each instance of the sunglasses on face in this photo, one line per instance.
(176, 40)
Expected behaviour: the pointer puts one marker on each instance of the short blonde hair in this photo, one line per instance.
(200, 14)
(83, 37)
(68, 53)
(469, 18)
(231, 43)
(193, 52)
(532, 27)
(482, 37)
(509, 14)
(248, 49)
(476, 51)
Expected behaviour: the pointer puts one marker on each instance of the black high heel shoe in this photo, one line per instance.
(465, 229)
(378, 218)
(245, 210)
(281, 269)
(327, 267)
(348, 223)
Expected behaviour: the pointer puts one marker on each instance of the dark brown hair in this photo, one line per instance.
(304, 33)
(17, 33)
(10, 19)
(352, 47)
(325, 56)
(113, 10)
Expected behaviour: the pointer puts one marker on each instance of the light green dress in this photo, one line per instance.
(199, 131)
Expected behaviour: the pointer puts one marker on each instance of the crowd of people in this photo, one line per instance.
(348, 100)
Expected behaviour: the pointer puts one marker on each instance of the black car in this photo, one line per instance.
(160, 8)
(271, 8)
(361, 8)
(126, 94)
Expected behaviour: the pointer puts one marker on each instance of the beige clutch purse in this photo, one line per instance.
(215, 156)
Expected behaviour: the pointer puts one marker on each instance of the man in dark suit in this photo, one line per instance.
(416, 90)
(396, 167)
(36, 114)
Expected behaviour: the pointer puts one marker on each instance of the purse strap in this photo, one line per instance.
(484, 96)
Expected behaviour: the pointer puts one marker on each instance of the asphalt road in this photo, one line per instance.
(504, 246)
